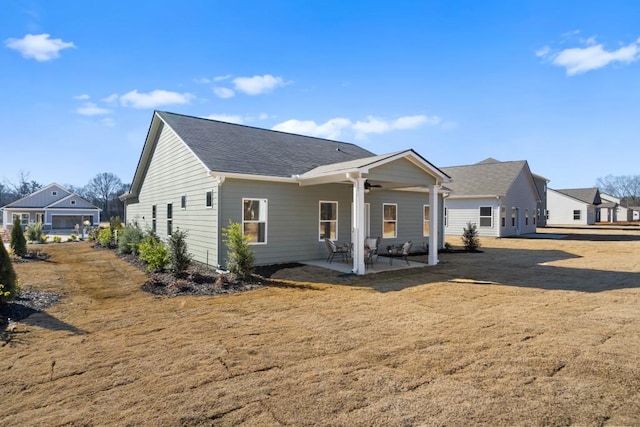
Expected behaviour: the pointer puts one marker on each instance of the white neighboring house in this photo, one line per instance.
(501, 198)
(610, 210)
(575, 206)
(54, 206)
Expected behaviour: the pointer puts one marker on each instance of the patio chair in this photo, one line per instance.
(373, 245)
(400, 252)
(335, 249)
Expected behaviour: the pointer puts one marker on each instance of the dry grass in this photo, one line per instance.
(529, 332)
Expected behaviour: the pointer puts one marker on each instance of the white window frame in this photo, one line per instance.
(73, 202)
(481, 217)
(578, 213)
(54, 193)
(208, 199)
(183, 202)
(262, 218)
(426, 211)
(40, 216)
(503, 216)
(321, 221)
(394, 221)
(169, 219)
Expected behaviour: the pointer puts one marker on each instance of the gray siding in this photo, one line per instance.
(462, 211)
(523, 196)
(403, 171)
(541, 186)
(174, 171)
(41, 198)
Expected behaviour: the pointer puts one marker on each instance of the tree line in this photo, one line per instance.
(102, 191)
(624, 187)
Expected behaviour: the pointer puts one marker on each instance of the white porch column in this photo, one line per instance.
(434, 224)
(357, 231)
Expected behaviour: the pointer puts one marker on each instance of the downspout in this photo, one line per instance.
(218, 181)
(435, 228)
(357, 232)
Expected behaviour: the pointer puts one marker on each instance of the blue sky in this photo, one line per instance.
(554, 83)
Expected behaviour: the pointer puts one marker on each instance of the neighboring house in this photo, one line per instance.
(541, 211)
(634, 213)
(610, 210)
(576, 206)
(54, 206)
(288, 191)
(501, 198)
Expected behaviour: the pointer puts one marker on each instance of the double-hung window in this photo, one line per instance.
(425, 221)
(328, 220)
(169, 219)
(209, 199)
(254, 220)
(389, 220)
(486, 216)
(183, 201)
(576, 215)
(154, 212)
(503, 216)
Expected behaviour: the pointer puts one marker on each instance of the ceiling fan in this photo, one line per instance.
(368, 185)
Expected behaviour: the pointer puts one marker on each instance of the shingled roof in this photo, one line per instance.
(586, 195)
(232, 148)
(489, 177)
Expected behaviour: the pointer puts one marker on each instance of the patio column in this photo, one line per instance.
(434, 228)
(357, 231)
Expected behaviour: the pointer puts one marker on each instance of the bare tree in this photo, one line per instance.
(104, 188)
(625, 187)
(23, 187)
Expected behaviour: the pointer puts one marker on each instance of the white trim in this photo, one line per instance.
(223, 175)
(480, 216)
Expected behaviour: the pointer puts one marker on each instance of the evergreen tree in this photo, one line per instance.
(18, 241)
(7, 275)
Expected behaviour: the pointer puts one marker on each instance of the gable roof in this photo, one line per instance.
(38, 200)
(489, 177)
(232, 148)
(590, 196)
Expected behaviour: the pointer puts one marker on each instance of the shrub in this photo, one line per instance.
(154, 253)
(34, 232)
(130, 239)
(179, 258)
(72, 238)
(115, 225)
(8, 279)
(105, 237)
(18, 241)
(43, 238)
(470, 237)
(57, 239)
(240, 257)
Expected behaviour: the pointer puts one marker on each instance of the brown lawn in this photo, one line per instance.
(529, 332)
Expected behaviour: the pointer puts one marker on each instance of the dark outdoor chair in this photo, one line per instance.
(335, 249)
(400, 252)
(372, 245)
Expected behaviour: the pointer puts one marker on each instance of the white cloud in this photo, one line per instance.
(226, 118)
(223, 92)
(39, 46)
(593, 56)
(108, 122)
(91, 109)
(258, 85)
(82, 97)
(263, 116)
(153, 99)
(335, 128)
(111, 98)
(202, 80)
(220, 78)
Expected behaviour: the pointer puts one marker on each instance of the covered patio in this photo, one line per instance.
(404, 171)
(379, 266)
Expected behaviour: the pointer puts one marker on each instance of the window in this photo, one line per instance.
(526, 216)
(73, 202)
(389, 220)
(513, 217)
(40, 218)
(54, 193)
(169, 219)
(328, 220)
(183, 202)
(503, 216)
(209, 199)
(486, 216)
(153, 218)
(254, 220)
(425, 221)
(445, 217)
(576, 215)
(534, 214)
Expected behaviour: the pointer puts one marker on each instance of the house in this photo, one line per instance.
(288, 191)
(611, 210)
(501, 198)
(576, 206)
(54, 206)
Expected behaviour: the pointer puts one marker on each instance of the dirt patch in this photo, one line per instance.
(529, 332)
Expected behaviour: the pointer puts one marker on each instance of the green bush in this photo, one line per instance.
(470, 237)
(130, 239)
(34, 232)
(115, 225)
(179, 258)
(154, 253)
(18, 241)
(72, 238)
(105, 237)
(43, 238)
(7, 276)
(57, 239)
(239, 256)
